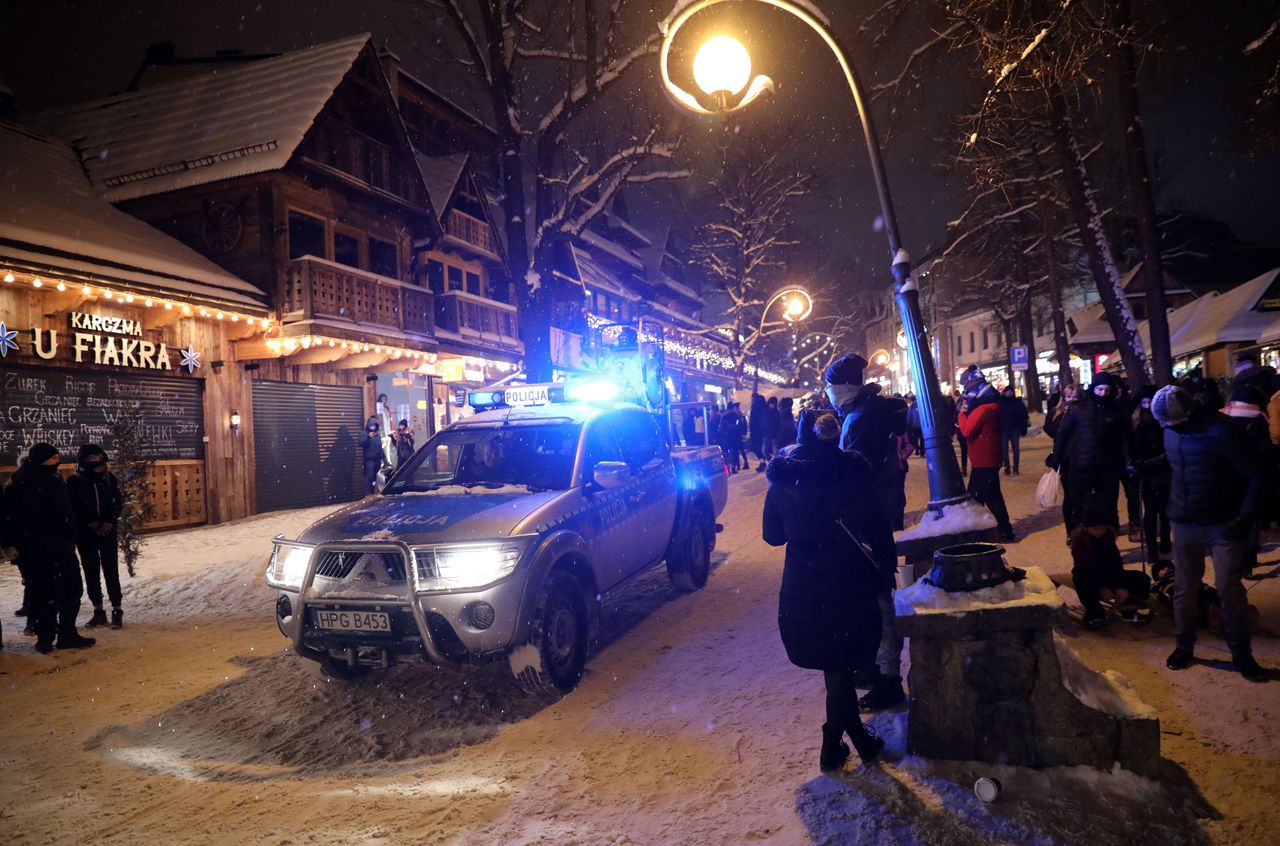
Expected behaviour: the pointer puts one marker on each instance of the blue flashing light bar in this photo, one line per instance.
(519, 396)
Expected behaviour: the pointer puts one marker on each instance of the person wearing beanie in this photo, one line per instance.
(1215, 498)
(372, 455)
(1245, 409)
(840, 556)
(979, 422)
(1149, 466)
(870, 426)
(97, 502)
(1098, 571)
(1091, 448)
(42, 528)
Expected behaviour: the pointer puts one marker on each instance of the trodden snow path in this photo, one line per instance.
(195, 725)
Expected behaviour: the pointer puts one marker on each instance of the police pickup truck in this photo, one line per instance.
(498, 538)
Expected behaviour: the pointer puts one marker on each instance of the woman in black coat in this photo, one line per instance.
(820, 499)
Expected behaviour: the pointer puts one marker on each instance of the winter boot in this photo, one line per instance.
(76, 641)
(44, 647)
(864, 739)
(1249, 668)
(1180, 658)
(886, 693)
(21, 612)
(834, 750)
(99, 618)
(117, 618)
(29, 631)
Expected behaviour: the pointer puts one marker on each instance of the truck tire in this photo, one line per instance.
(689, 563)
(328, 669)
(556, 653)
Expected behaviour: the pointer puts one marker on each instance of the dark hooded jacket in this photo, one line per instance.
(1217, 473)
(94, 498)
(871, 422)
(40, 518)
(1092, 436)
(828, 615)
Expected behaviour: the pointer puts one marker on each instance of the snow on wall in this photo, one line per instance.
(923, 598)
(1108, 691)
(967, 516)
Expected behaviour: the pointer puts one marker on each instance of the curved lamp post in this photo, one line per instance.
(797, 304)
(722, 69)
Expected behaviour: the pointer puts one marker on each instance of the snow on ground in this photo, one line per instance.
(196, 725)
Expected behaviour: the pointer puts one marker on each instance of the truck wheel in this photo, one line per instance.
(689, 564)
(328, 669)
(556, 653)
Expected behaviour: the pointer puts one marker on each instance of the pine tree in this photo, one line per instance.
(133, 469)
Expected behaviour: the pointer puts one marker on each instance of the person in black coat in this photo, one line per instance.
(1014, 422)
(371, 454)
(404, 443)
(733, 426)
(1214, 503)
(1091, 448)
(42, 527)
(97, 502)
(785, 434)
(839, 550)
(756, 425)
(1146, 454)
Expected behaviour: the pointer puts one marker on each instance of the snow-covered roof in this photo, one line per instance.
(613, 248)
(1226, 318)
(1091, 326)
(594, 276)
(50, 218)
(231, 121)
(441, 175)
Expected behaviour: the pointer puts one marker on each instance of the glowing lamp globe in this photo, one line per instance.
(722, 65)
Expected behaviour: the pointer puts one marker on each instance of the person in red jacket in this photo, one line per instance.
(979, 422)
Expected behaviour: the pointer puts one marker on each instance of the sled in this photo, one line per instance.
(1114, 611)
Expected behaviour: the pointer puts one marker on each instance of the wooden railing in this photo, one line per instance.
(471, 230)
(177, 492)
(477, 318)
(316, 288)
(350, 151)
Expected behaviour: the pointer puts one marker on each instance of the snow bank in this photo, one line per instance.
(967, 516)
(923, 598)
(1108, 691)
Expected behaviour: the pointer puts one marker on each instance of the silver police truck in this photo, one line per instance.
(498, 538)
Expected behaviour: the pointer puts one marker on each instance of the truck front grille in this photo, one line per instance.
(338, 563)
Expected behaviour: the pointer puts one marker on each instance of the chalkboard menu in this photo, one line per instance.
(68, 408)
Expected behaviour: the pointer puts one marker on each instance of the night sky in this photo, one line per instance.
(1193, 95)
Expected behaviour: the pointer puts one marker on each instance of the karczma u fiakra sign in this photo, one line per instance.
(101, 340)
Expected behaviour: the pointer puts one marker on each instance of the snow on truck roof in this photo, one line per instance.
(566, 412)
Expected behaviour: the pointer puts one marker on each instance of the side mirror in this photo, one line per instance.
(381, 480)
(611, 474)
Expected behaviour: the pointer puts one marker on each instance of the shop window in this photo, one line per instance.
(346, 249)
(382, 258)
(473, 283)
(435, 276)
(455, 278)
(306, 236)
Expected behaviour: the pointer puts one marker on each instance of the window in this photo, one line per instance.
(382, 258)
(971, 347)
(306, 236)
(959, 344)
(473, 283)
(602, 305)
(455, 278)
(498, 291)
(999, 339)
(985, 339)
(435, 276)
(641, 441)
(346, 249)
(602, 445)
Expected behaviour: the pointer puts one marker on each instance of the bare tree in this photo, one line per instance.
(742, 248)
(545, 69)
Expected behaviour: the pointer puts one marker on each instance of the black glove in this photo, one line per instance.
(1051, 461)
(1239, 528)
(1131, 471)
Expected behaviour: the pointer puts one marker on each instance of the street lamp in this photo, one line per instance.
(723, 68)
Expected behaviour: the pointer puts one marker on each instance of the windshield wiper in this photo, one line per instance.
(413, 489)
(486, 485)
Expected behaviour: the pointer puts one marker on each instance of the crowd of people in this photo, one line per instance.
(52, 530)
(1199, 475)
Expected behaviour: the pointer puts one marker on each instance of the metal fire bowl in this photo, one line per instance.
(971, 566)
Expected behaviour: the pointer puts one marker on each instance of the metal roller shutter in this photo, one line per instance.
(306, 441)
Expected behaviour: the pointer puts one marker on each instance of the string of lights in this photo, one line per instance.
(698, 353)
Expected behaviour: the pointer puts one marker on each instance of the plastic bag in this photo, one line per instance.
(1049, 490)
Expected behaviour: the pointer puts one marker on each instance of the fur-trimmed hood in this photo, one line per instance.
(820, 466)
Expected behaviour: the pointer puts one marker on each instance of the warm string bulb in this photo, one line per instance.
(37, 283)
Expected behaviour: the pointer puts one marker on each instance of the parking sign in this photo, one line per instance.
(1018, 357)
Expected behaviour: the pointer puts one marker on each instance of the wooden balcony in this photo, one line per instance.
(369, 161)
(319, 289)
(472, 232)
(477, 319)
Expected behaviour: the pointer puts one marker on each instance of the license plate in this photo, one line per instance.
(526, 396)
(353, 621)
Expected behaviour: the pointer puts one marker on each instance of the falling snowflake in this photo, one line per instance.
(7, 341)
(190, 359)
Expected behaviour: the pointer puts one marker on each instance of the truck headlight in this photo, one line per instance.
(288, 565)
(470, 565)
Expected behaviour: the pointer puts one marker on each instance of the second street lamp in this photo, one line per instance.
(946, 485)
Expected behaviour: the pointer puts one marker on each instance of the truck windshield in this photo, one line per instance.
(539, 457)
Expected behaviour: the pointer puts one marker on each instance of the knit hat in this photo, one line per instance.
(1105, 380)
(1171, 405)
(972, 377)
(1248, 394)
(846, 370)
(41, 452)
(88, 450)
